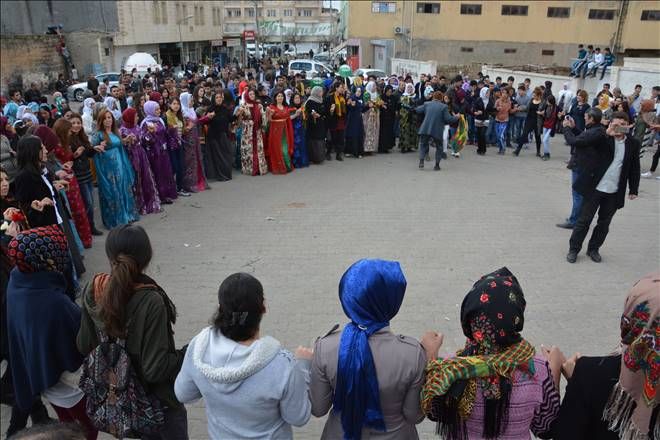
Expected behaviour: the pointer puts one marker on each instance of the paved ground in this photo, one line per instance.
(298, 233)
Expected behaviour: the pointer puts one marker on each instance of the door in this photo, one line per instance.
(379, 57)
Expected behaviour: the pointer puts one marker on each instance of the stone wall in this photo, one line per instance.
(26, 59)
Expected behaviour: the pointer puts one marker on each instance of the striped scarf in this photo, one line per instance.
(459, 139)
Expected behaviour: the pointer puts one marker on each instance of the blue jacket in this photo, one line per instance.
(436, 115)
(42, 324)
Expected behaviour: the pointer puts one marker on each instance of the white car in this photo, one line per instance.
(311, 68)
(366, 72)
(76, 91)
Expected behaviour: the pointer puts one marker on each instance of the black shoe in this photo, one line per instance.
(436, 167)
(96, 232)
(421, 164)
(595, 256)
(444, 155)
(546, 157)
(565, 225)
(328, 156)
(571, 257)
(517, 152)
(538, 154)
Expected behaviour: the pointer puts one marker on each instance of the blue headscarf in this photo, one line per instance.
(10, 110)
(370, 292)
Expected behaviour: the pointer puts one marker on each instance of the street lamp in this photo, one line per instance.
(184, 19)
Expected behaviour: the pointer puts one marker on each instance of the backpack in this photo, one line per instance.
(117, 402)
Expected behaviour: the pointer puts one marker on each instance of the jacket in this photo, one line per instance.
(592, 156)
(436, 116)
(28, 187)
(150, 341)
(630, 169)
(400, 363)
(256, 391)
(316, 127)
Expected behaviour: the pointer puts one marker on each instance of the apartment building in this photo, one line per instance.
(509, 32)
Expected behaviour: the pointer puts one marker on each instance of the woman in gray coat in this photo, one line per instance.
(370, 377)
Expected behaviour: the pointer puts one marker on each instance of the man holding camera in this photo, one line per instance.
(607, 166)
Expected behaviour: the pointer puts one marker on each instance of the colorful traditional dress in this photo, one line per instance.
(280, 141)
(114, 174)
(408, 123)
(194, 179)
(253, 160)
(156, 146)
(300, 157)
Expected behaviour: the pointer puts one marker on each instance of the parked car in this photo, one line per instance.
(76, 91)
(365, 72)
(310, 67)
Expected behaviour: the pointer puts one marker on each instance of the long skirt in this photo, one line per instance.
(147, 200)
(371, 120)
(79, 213)
(253, 160)
(316, 150)
(219, 157)
(193, 174)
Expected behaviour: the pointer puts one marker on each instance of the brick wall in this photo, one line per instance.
(26, 59)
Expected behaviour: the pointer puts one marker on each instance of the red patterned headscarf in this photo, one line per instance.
(47, 136)
(40, 249)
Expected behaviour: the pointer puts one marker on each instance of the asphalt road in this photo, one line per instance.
(298, 233)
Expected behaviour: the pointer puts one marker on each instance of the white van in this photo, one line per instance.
(310, 67)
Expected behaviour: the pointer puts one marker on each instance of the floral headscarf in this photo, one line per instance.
(492, 317)
(40, 249)
(634, 397)
(372, 91)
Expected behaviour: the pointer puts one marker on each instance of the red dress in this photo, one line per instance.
(279, 152)
(78, 211)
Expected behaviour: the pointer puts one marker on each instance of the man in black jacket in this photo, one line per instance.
(606, 169)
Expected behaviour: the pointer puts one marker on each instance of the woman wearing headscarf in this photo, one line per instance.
(279, 146)
(114, 174)
(154, 140)
(42, 323)
(144, 186)
(219, 151)
(358, 83)
(8, 142)
(335, 108)
(495, 387)
(615, 396)
(300, 157)
(371, 118)
(316, 125)
(388, 111)
(253, 159)
(482, 109)
(408, 120)
(89, 124)
(194, 179)
(604, 106)
(369, 377)
(10, 110)
(354, 124)
(113, 106)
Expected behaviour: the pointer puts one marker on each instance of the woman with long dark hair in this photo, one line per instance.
(219, 152)
(253, 388)
(279, 149)
(531, 122)
(129, 305)
(114, 174)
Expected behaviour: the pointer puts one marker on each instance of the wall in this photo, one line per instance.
(88, 52)
(27, 17)
(26, 59)
(494, 32)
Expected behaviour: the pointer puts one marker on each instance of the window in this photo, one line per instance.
(184, 9)
(510, 50)
(469, 9)
(250, 12)
(234, 12)
(271, 13)
(514, 10)
(305, 13)
(547, 52)
(601, 14)
(215, 16)
(201, 15)
(163, 12)
(178, 12)
(156, 8)
(428, 8)
(106, 51)
(288, 13)
(383, 7)
(467, 49)
(650, 15)
(559, 12)
(196, 15)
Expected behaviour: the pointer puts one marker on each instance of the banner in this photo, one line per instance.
(277, 28)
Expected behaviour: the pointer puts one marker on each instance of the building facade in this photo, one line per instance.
(509, 32)
(287, 25)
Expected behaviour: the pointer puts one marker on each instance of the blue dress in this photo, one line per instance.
(114, 175)
(300, 158)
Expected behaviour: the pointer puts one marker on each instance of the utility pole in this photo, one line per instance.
(281, 36)
(256, 31)
(184, 19)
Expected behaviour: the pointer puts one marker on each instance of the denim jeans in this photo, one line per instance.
(87, 193)
(176, 159)
(577, 199)
(500, 129)
(424, 147)
(491, 136)
(546, 140)
(517, 124)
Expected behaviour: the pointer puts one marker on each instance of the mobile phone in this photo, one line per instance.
(568, 117)
(620, 129)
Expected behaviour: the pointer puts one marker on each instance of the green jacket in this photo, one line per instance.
(150, 342)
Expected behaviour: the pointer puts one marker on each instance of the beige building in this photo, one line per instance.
(299, 24)
(509, 32)
(158, 27)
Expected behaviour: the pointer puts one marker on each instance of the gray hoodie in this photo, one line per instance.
(250, 392)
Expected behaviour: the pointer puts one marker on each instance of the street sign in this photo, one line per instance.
(249, 35)
(233, 42)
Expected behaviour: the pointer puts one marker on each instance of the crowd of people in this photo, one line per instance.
(146, 142)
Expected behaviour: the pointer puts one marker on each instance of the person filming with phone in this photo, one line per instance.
(608, 161)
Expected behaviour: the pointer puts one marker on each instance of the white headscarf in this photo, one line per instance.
(372, 90)
(88, 107)
(113, 106)
(483, 94)
(428, 91)
(409, 90)
(288, 93)
(186, 109)
(22, 109)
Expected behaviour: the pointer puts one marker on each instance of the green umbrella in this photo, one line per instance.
(345, 71)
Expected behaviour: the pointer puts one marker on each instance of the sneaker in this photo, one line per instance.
(436, 167)
(657, 177)
(183, 193)
(565, 225)
(421, 164)
(647, 175)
